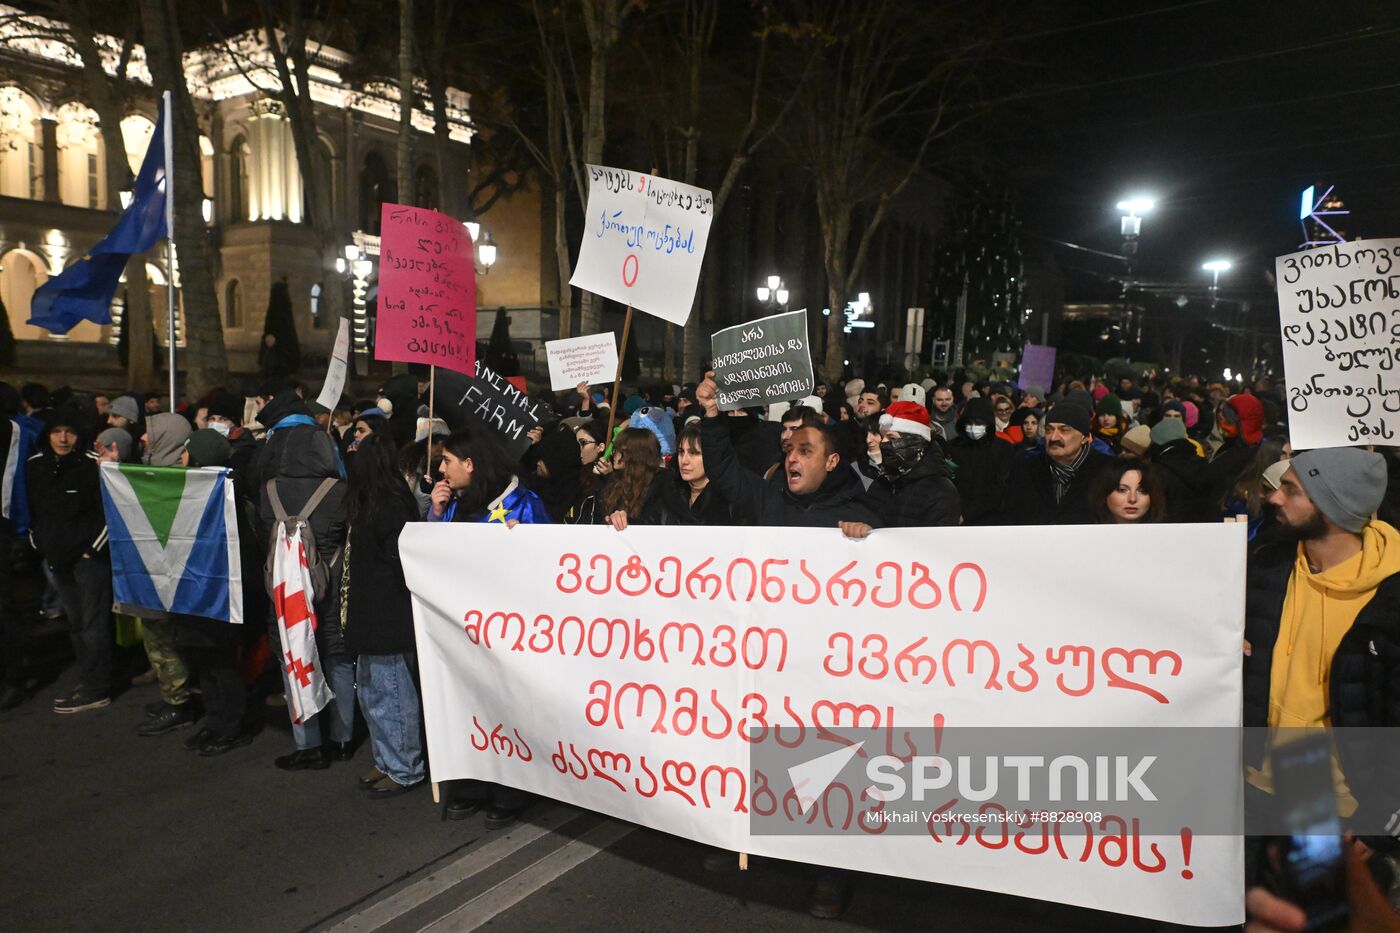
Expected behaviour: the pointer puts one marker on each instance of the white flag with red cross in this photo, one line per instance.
(308, 692)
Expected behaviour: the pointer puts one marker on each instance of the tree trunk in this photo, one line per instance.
(206, 362)
(448, 200)
(406, 102)
(558, 159)
(107, 97)
(601, 17)
(292, 73)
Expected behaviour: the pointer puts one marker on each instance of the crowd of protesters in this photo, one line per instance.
(857, 455)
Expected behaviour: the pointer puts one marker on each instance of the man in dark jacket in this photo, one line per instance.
(298, 456)
(819, 492)
(911, 468)
(1322, 630)
(1051, 486)
(983, 461)
(69, 529)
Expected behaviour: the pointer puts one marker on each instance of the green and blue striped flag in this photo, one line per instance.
(173, 536)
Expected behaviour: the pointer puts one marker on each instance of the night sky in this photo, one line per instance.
(1225, 110)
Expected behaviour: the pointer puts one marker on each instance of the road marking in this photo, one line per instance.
(401, 902)
(488, 905)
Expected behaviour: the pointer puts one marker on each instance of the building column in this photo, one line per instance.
(48, 145)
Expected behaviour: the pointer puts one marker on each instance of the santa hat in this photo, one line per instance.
(906, 418)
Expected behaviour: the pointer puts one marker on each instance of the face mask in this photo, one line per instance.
(901, 453)
(221, 427)
(976, 431)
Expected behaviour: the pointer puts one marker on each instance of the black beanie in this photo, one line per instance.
(1071, 414)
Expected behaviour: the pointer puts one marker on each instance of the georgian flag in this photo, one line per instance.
(308, 692)
(173, 537)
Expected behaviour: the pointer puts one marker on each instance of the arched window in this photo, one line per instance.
(238, 155)
(376, 188)
(206, 165)
(233, 306)
(316, 317)
(82, 173)
(160, 305)
(21, 160)
(137, 131)
(425, 188)
(20, 273)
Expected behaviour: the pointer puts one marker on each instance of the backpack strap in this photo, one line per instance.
(321, 492)
(276, 502)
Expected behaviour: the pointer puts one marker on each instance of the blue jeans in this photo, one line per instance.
(340, 713)
(389, 700)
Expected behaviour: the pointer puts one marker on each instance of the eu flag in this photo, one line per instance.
(83, 291)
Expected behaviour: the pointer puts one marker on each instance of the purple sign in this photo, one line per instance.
(1037, 366)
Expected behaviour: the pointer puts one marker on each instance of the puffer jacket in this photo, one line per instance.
(297, 456)
(67, 520)
(1363, 689)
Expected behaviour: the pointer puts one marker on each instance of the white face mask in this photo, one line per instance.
(221, 426)
(976, 431)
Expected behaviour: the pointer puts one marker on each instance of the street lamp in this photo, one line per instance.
(1133, 209)
(775, 292)
(486, 252)
(345, 263)
(1215, 267)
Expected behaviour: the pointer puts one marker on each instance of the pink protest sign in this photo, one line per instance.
(427, 290)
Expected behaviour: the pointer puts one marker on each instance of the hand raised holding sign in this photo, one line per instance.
(707, 394)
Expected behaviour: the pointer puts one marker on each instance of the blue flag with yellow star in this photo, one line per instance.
(83, 291)
(516, 504)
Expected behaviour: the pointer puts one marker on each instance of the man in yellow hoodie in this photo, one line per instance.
(1323, 625)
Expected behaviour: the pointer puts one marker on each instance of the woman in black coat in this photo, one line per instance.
(377, 617)
(682, 493)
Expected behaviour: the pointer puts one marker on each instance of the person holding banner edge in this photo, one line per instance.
(480, 484)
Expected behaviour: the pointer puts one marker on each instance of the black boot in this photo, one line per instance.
(167, 720)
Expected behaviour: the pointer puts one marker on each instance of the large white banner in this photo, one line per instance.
(643, 241)
(628, 672)
(1339, 314)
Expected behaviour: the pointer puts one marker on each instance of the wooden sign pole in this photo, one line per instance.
(617, 379)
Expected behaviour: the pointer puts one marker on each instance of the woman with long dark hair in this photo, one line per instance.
(1126, 492)
(480, 484)
(682, 493)
(377, 616)
(632, 483)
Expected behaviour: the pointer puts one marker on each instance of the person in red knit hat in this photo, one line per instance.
(909, 465)
(1241, 422)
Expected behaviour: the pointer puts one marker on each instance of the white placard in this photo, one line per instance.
(643, 241)
(591, 359)
(1339, 314)
(580, 663)
(336, 369)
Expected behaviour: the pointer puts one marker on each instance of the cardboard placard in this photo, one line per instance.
(427, 290)
(1339, 319)
(1037, 367)
(489, 400)
(643, 241)
(591, 359)
(763, 361)
(336, 370)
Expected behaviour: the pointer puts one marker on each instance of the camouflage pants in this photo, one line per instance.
(174, 676)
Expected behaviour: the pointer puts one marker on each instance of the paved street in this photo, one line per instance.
(107, 831)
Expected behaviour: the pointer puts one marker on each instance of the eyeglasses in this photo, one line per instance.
(1003, 411)
(587, 443)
